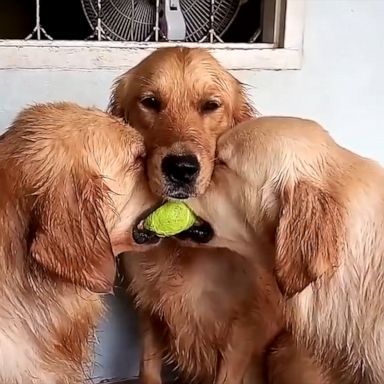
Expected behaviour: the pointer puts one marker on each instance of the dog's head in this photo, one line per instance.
(73, 183)
(278, 181)
(181, 100)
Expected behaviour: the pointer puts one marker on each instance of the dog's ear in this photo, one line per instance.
(309, 236)
(243, 109)
(68, 235)
(118, 100)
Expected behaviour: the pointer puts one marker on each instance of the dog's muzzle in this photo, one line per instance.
(180, 173)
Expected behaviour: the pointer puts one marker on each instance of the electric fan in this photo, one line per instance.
(178, 20)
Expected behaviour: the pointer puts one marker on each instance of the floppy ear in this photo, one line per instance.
(243, 109)
(117, 100)
(309, 236)
(68, 236)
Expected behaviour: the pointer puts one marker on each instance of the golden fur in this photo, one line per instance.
(314, 210)
(72, 182)
(199, 308)
(211, 313)
(185, 84)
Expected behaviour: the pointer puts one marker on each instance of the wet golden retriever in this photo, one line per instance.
(315, 212)
(72, 184)
(202, 309)
(181, 100)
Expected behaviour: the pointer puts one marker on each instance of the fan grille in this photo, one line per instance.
(134, 20)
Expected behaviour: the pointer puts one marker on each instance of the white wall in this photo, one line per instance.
(341, 85)
(342, 81)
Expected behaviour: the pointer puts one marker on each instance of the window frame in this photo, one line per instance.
(284, 53)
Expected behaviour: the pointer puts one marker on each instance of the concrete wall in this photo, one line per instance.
(341, 85)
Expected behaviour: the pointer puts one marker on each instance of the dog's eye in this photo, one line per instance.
(139, 156)
(220, 163)
(210, 106)
(139, 162)
(150, 102)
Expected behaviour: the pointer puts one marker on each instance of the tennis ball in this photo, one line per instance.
(170, 219)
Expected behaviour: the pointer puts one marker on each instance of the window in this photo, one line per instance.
(116, 34)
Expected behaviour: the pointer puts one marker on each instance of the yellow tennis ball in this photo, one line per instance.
(170, 219)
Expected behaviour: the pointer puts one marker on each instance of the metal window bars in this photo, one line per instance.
(98, 31)
(38, 30)
(212, 35)
(156, 28)
(217, 15)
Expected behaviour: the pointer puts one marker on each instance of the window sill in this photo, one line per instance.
(107, 55)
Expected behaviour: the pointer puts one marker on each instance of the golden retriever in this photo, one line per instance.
(315, 211)
(212, 313)
(72, 184)
(181, 100)
(199, 308)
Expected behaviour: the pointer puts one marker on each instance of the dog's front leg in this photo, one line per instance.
(151, 355)
(239, 363)
(288, 363)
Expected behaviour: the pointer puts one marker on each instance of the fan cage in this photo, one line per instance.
(138, 20)
(199, 21)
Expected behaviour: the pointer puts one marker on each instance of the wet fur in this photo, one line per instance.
(67, 173)
(202, 309)
(181, 79)
(313, 209)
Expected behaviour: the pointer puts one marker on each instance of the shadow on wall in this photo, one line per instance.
(117, 350)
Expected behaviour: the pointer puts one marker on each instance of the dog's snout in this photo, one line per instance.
(182, 169)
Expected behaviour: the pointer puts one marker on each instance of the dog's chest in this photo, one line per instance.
(202, 287)
(198, 296)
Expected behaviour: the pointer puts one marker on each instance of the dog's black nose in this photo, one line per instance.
(181, 169)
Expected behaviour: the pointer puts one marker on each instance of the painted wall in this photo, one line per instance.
(341, 85)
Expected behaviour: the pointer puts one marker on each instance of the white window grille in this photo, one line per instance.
(242, 34)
